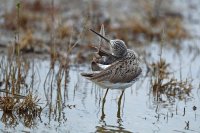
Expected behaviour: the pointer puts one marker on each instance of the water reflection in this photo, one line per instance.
(77, 101)
(56, 92)
(82, 100)
(18, 103)
(29, 120)
(111, 129)
(9, 119)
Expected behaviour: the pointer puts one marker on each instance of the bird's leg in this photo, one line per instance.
(103, 104)
(119, 108)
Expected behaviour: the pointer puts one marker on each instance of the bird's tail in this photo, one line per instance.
(87, 75)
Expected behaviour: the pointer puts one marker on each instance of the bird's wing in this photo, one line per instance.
(104, 57)
(102, 52)
(119, 71)
(95, 66)
(128, 75)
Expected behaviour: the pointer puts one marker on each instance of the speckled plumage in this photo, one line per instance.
(124, 67)
(123, 70)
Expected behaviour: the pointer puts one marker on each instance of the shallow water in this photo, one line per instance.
(85, 108)
(82, 106)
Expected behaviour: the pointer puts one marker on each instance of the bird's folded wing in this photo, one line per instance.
(118, 72)
(95, 66)
(127, 76)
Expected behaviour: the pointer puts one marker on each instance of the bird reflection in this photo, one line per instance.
(111, 129)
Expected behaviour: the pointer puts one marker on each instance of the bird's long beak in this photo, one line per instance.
(107, 40)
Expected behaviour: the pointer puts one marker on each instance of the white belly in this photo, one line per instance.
(106, 84)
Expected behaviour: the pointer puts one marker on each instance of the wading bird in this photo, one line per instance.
(122, 66)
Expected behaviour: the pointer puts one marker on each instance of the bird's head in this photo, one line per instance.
(118, 47)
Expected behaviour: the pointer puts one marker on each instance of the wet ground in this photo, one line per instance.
(71, 103)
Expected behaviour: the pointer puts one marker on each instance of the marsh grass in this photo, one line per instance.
(152, 30)
(14, 96)
(17, 96)
(30, 21)
(55, 88)
(26, 109)
(57, 77)
(27, 14)
(29, 105)
(163, 83)
(7, 104)
(55, 85)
